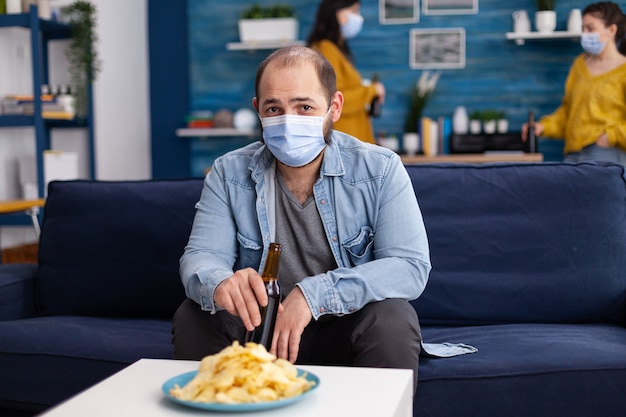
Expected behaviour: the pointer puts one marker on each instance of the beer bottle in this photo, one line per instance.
(263, 333)
(375, 106)
(532, 136)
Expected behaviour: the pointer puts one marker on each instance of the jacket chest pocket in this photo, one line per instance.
(360, 248)
(249, 253)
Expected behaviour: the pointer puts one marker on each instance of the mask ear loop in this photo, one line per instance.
(327, 113)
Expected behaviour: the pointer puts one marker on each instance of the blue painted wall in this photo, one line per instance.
(169, 87)
(498, 74)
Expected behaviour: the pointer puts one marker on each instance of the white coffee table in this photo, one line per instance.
(343, 391)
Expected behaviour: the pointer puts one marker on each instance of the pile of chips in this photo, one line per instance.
(243, 374)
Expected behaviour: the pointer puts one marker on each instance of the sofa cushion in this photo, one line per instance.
(515, 243)
(17, 290)
(63, 355)
(112, 248)
(539, 370)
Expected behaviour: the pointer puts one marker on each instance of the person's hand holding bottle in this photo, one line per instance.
(380, 91)
(538, 130)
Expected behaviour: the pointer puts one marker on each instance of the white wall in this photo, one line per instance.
(121, 102)
(121, 92)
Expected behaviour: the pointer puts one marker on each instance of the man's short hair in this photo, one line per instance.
(295, 56)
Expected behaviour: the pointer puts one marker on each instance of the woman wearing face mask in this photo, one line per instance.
(592, 116)
(335, 23)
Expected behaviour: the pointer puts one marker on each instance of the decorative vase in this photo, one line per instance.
(521, 23)
(575, 21)
(545, 21)
(410, 143)
(459, 121)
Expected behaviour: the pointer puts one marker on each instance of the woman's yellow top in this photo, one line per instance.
(592, 105)
(354, 119)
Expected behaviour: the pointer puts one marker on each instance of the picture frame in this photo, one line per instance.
(394, 12)
(443, 7)
(442, 48)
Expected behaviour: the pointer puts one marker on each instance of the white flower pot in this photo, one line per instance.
(474, 127)
(268, 30)
(489, 126)
(545, 21)
(503, 126)
(390, 142)
(410, 143)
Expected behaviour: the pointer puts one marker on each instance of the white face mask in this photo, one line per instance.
(590, 42)
(353, 26)
(294, 140)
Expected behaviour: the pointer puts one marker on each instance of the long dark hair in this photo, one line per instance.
(326, 26)
(611, 14)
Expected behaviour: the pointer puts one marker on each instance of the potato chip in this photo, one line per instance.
(243, 374)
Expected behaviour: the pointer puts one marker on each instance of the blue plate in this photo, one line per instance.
(183, 379)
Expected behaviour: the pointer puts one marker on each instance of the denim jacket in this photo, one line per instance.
(368, 209)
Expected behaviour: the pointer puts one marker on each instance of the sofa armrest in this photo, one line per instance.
(17, 291)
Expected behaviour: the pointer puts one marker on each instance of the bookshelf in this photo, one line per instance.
(42, 31)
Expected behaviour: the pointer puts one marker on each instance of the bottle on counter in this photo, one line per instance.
(532, 137)
(263, 333)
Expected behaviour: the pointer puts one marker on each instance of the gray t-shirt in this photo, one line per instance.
(305, 249)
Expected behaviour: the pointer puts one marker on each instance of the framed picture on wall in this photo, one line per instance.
(449, 6)
(393, 12)
(437, 48)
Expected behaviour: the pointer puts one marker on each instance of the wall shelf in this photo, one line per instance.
(521, 38)
(213, 132)
(484, 158)
(248, 46)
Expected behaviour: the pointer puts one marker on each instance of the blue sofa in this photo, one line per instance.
(529, 266)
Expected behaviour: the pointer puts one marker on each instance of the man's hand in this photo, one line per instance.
(241, 294)
(290, 324)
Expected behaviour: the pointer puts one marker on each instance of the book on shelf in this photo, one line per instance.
(26, 98)
(29, 109)
(22, 104)
(435, 135)
(61, 115)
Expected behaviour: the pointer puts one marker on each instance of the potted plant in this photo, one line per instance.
(475, 122)
(545, 17)
(420, 94)
(81, 54)
(268, 24)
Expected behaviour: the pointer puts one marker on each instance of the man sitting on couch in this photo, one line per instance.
(355, 249)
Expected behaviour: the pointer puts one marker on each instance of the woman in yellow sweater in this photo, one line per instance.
(335, 23)
(592, 116)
